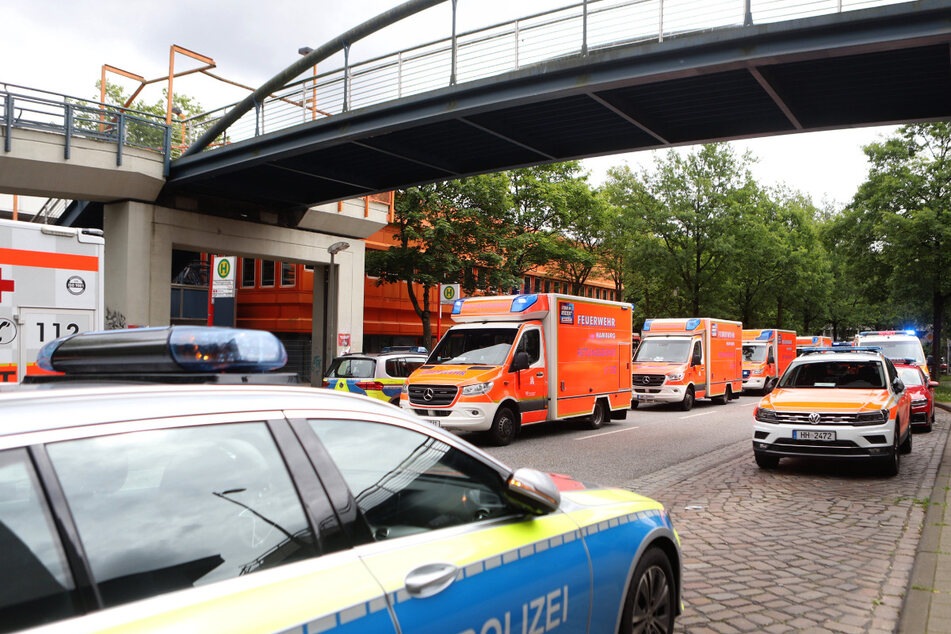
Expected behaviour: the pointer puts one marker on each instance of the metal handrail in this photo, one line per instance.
(35, 109)
(572, 30)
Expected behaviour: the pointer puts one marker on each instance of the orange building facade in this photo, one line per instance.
(277, 296)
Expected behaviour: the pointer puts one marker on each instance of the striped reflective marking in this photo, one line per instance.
(345, 616)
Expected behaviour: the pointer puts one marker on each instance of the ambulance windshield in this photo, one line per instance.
(897, 348)
(482, 346)
(755, 352)
(669, 350)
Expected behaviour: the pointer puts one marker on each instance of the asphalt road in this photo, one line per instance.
(650, 438)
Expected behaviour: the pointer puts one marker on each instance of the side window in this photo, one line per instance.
(168, 509)
(406, 482)
(531, 343)
(892, 372)
(37, 586)
(697, 356)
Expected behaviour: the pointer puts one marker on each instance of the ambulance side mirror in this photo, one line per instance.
(770, 358)
(520, 362)
(697, 358)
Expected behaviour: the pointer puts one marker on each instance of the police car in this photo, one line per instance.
(269, 508)
(377, 374)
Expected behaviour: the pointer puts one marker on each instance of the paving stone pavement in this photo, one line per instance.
(808, 547)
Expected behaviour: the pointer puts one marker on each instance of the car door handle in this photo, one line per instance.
(430, 579)
(540, 374)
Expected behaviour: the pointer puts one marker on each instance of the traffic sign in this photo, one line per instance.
(448, 293)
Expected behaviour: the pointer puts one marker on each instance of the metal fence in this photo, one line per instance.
(32, 109)
(577, 29)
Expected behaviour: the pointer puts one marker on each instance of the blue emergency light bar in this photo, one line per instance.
(841, 349)
(173, 349)
(523, 302)
(765, 335)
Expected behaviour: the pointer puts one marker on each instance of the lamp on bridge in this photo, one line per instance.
(306, 50)
(177, 111)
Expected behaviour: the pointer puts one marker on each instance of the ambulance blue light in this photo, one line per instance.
(766, 335)
(647, 326)
(457, 306)
(913, 333)
(520, 303)
(692, 324)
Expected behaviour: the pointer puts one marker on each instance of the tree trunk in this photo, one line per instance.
(937, 331)
(779, 312)
(422, 312)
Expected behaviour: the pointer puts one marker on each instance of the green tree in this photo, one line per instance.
(905, 208)
(446, 233)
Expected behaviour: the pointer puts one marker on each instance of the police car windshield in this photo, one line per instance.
(910, 376)
(345, 368)
(669, 350)
(835, 374)
(483, 346)
(754, 352)
(899, 349)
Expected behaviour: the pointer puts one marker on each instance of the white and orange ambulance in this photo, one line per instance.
(812, 342)
(50, 287)
(681, 360)
(766, 355)
(522, 359)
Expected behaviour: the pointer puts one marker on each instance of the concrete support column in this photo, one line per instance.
(319, 356)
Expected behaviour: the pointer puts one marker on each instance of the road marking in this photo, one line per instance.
(607, 433)
(748, 404)
(695, 415)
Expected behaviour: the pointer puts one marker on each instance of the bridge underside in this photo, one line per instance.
(877, 66)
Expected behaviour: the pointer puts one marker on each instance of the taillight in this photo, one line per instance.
(326, 383)
(369, 385)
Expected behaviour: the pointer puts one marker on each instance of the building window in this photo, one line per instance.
(547, 286)
(538, 285)
(288, 274)
(528, 284)
(267, 273)
(247, 272)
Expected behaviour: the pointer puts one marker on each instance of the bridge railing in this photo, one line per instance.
(578, 29)
(33, 109)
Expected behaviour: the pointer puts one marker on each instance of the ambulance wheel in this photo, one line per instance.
(634, 403)
(906, 445)
(598, 416)
(395, 401)
(502, 431)
(687, 403)
(650, 604)
(890, 465)
(724, 398)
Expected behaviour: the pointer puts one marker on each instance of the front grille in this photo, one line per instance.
(433, 412)
(819, 447)
(825, 418)
(920, 418)
(438, 394)
(641, 390)
(648, 380)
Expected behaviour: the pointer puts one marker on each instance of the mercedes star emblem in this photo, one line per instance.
(428, 394)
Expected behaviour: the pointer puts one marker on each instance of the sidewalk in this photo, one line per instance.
(927, 606)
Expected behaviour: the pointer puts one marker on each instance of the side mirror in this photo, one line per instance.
(520, 362)
(696, 360)
(933, 384)
(899, 386)
(533, 491)
(770, 358)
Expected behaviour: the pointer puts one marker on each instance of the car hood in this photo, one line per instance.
(825, 399)
(454, 374)
(753, 365)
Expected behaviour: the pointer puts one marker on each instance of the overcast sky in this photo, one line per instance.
(61, 45)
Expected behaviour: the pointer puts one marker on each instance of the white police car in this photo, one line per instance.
(265, 508)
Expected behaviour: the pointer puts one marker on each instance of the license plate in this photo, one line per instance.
(645, 397)
(433, 422)
(804, 434)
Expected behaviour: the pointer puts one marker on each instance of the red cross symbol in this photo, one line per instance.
(5, 285)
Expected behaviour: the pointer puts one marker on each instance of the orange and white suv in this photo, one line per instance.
(835, 403)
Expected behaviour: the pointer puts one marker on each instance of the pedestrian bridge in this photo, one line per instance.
(599, 77)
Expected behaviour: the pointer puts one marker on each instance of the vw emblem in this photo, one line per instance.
(428, 394)
(814, 418)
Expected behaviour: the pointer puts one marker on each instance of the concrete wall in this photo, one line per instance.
(138, 262)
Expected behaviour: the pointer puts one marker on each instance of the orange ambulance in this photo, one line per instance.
(766, 355)
(812, 342)
(522, 359)
(680, 360)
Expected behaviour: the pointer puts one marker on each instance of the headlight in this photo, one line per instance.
(919, 402)
(872, 418)
(478, 388)
(676, 376)
(404, 389)
(765, 415)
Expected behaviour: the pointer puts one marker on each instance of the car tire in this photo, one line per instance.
(906, 445)
(891, 463)
(598, 417)
(503, 427)
(724, 398)
(650, 604)
(395, 401)
(764, 461)
(634, 403)
(687, 403)
(927, 428)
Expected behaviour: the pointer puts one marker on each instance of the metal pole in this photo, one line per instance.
(584, 27)
(748, 14)
(69, 130)
(346, 78)
(455, 46)
(119, 138)
(517, 35)
(660, 22)
(168, 150)
(257, 118)
(399, 74)
(9, 122)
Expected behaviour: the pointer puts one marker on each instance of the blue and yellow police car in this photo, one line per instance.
(377, 374)
(241, 506)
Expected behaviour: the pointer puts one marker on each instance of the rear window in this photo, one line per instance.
(835, 374)
(352, 368)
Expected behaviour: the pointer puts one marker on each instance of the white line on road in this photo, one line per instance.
(695, 415)
(607, 433)
(748, 404)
